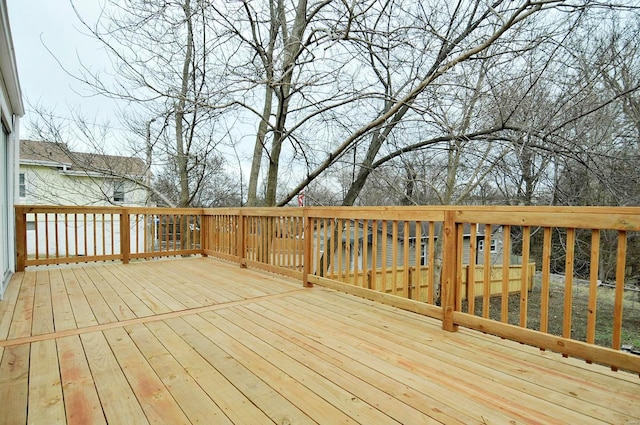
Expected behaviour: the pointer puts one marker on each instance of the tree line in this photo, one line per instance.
(377, 102)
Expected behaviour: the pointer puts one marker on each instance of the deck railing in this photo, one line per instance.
(555, 278)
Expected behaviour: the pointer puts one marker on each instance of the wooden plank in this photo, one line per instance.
(147, 297)
(466, 373)
(46, 404)
(99, 306)
(118, 400)
(113, 278)
(306, 372)
(207, 365)
(140, 320)
(382, 297)
(23, 312)
(190, 396)
(315, 406)
(255, 388)
(82, 312)
(62, 311)
(372, 397)
(394, 385)
(8, 304)
(81, 401)
(116, 304)
(163, 286)
(475, 397)
(605, 218)
(14, 384)
(583, 391)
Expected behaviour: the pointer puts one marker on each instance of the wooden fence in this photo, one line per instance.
(366, 251)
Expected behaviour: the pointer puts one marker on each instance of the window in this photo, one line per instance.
(118, 192)
(493, 247)
(22, 186)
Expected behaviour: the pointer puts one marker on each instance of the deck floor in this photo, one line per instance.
(199, 341)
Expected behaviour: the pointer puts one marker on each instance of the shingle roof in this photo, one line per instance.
(59, 153)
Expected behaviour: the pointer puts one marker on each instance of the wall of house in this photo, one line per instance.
(11, 109)
(46, 185)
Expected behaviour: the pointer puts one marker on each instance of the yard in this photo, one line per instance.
(580, 307)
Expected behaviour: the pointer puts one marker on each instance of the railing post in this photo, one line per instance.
(21, 239)
(125, 236)
(449, 271)
(204, 233)
(242, 240)
(308, 238)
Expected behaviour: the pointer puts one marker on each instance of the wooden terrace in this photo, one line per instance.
(200, 340)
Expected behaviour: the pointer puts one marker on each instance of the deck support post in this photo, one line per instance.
(308, 238)
(125, 236)
(21, 239)
(449, 273)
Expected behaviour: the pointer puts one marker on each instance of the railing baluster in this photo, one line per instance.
(621, 266)
(594, 267)
(365, 256)
(55, 218)
(416, 293)
(524, 275)
(394, 257)
(546, 271)
(471, 273)
(406, 281)
(432, 263)
(340, 250)
(486, 278)
(66, 235)
(373, 282)
(383, 259)
(568, 282)
(506, 262)
(459, 254)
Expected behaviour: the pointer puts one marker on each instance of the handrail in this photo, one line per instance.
(454, 263)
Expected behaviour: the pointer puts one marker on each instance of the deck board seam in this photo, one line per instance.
(143, 320)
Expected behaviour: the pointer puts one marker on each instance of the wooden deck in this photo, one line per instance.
(203, 341)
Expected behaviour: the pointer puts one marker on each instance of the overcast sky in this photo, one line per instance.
(53, 23)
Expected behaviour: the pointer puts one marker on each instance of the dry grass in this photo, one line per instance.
(579, 315)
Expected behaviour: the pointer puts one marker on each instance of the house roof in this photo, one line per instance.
(58, 154)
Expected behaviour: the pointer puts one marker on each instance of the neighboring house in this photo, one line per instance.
(11, 109)
(52, 174)
(385, 236)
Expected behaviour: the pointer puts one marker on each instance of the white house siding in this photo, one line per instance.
(11, 109)
(47, 185)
